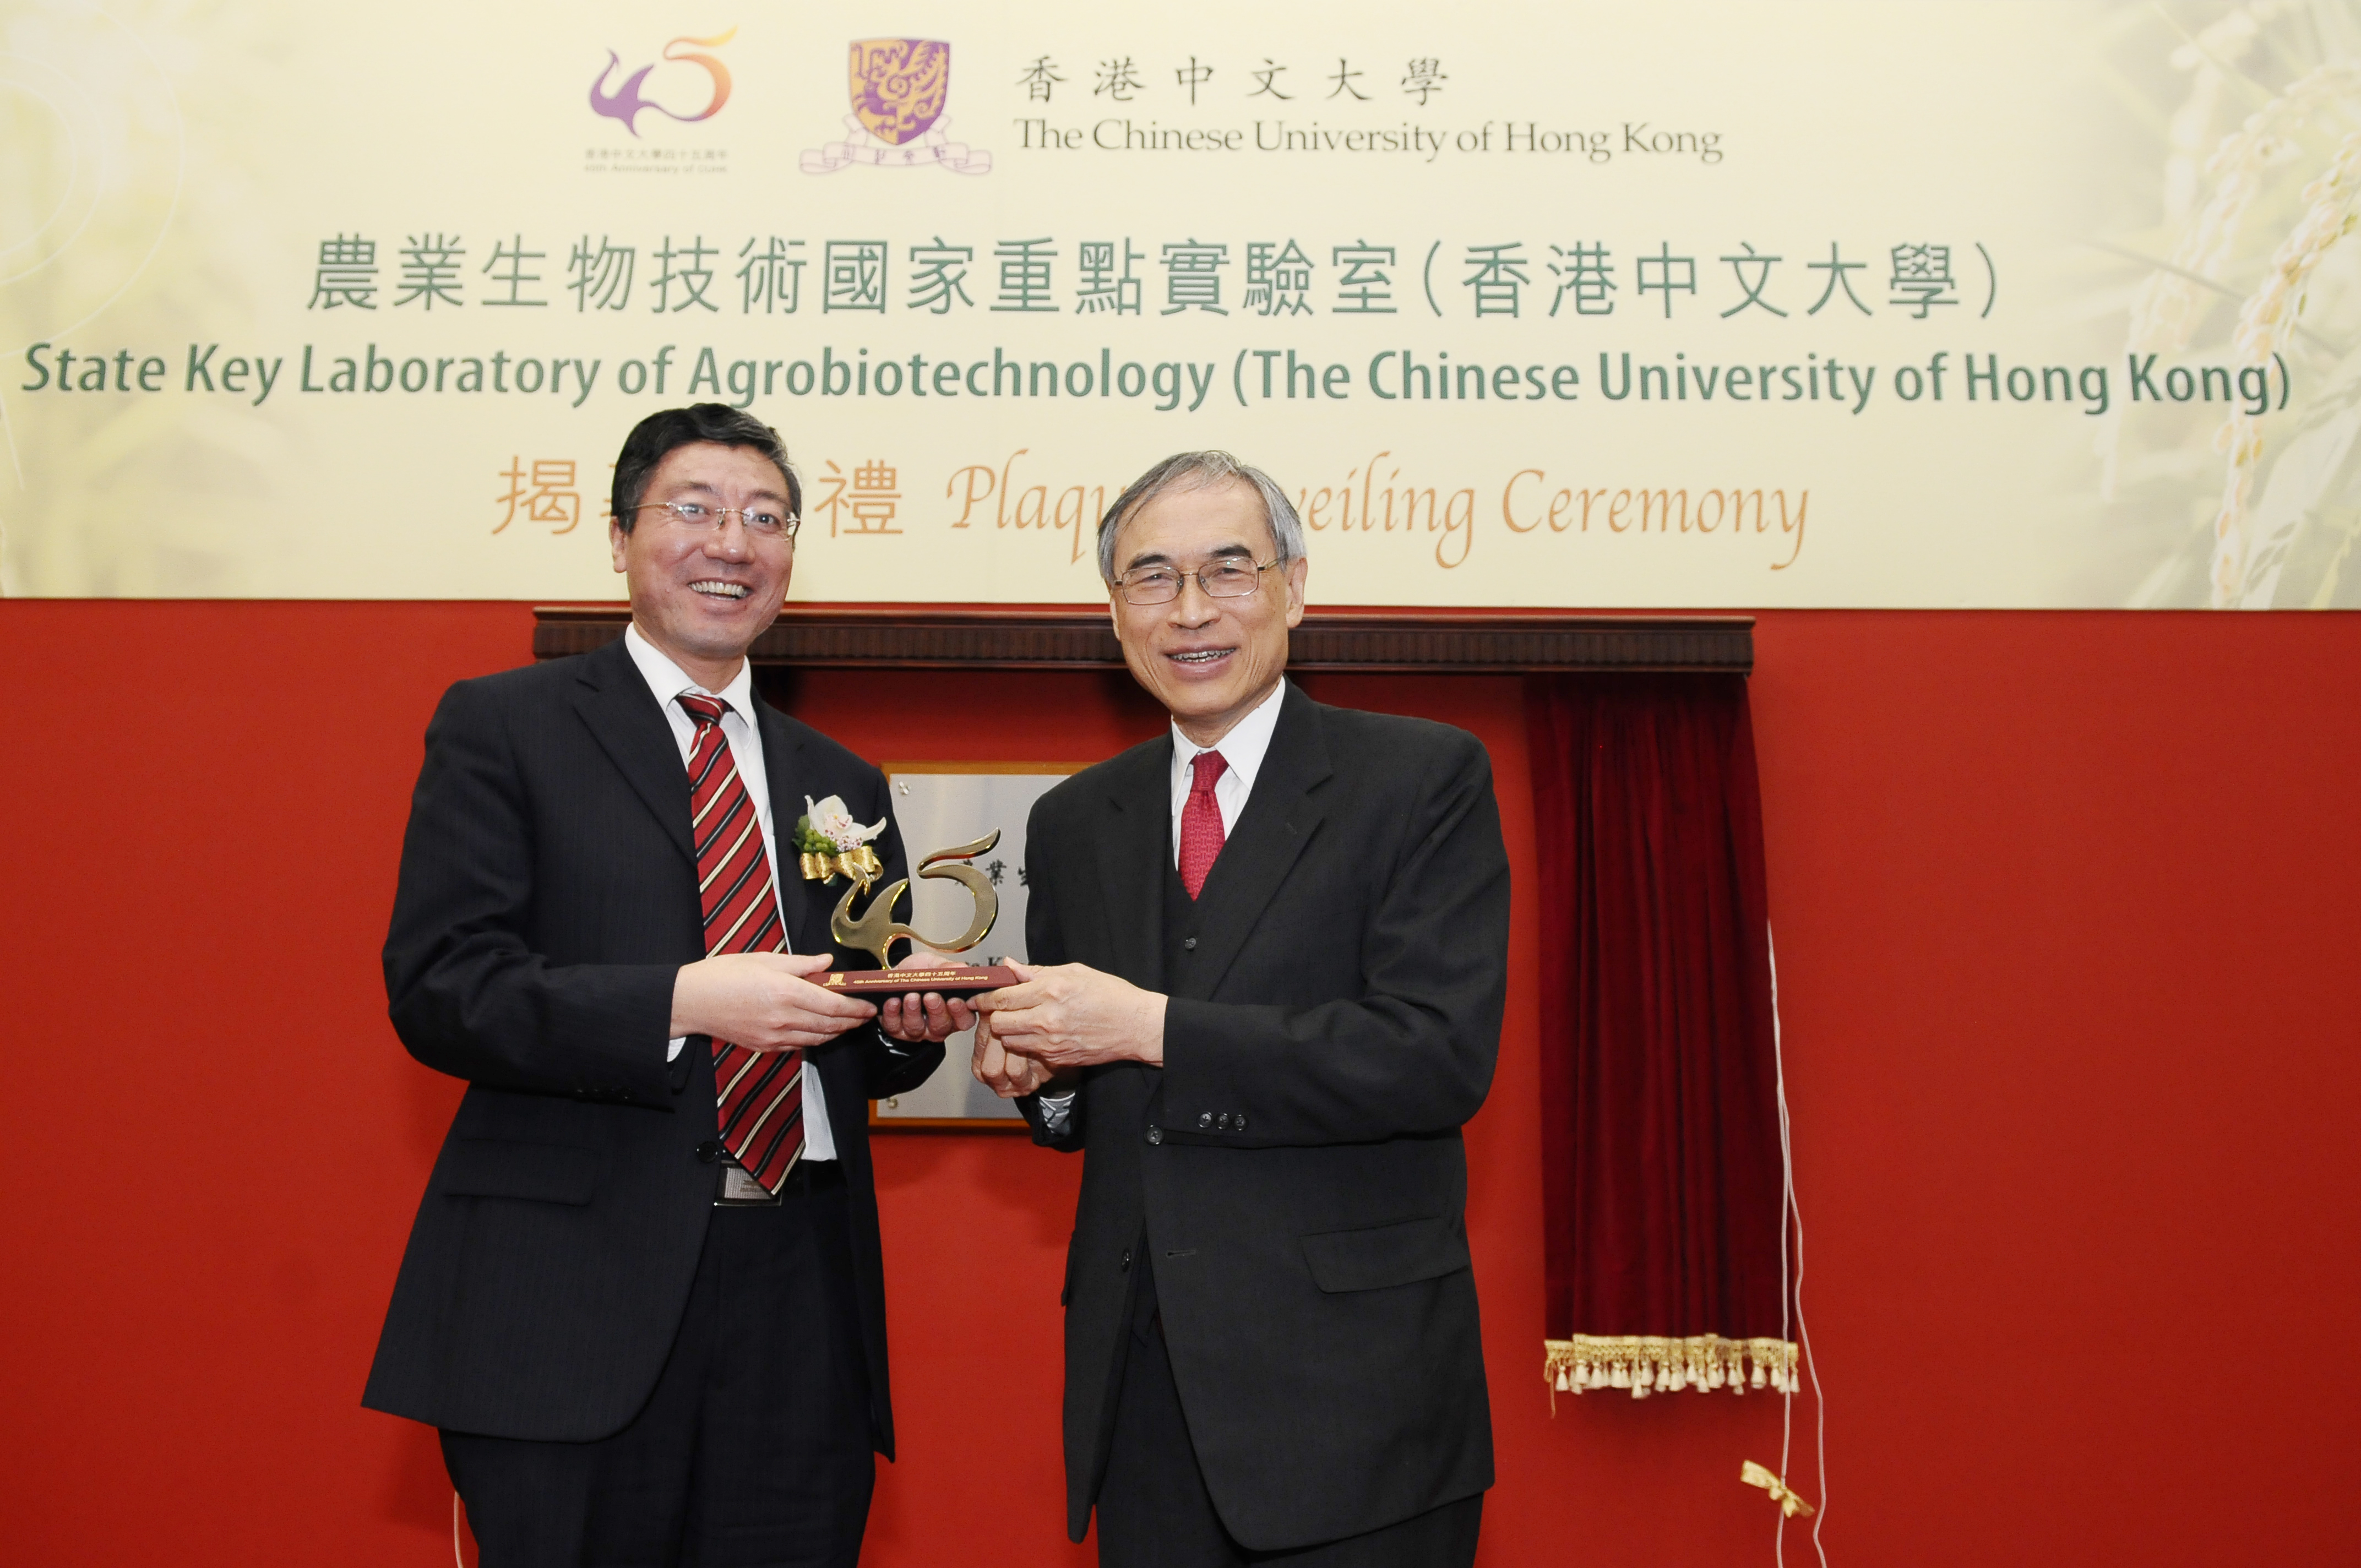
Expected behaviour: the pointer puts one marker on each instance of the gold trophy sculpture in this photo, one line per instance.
(876, 931)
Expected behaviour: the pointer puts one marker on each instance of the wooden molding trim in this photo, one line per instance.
(1068, 637)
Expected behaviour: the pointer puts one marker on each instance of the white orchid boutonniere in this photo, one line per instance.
(831, 844)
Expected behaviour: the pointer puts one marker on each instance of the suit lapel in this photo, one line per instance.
(806, 917)
(1281, 816)
(629, 727)
(1133, 849)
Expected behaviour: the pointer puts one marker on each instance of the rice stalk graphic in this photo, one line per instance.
(2273, 87)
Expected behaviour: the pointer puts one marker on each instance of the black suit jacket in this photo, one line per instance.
(548, 896)
(1296, 1165)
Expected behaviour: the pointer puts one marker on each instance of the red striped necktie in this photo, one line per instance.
(761, 1092)
(1201, 821)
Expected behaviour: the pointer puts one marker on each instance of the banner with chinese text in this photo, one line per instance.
(2027, 302)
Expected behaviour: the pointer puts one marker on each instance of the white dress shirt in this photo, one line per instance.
(667, 681)
(1242, 749)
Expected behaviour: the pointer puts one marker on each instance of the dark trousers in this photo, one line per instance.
(1154, 1512)
(754, 1449)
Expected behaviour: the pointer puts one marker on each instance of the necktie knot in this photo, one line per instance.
(704, 710)
(1206, 771)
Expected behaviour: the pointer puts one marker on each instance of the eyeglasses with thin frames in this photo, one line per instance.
(1231, 577)
(696, 517)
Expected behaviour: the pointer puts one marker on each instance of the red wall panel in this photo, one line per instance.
(2064, 923)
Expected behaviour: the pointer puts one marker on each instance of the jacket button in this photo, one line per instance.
(710, 1151)
(1155, 1134)
(1204, 1118)
(1240, 1121)
(1222, 1121)
(1126, 1265)
(1188, 944)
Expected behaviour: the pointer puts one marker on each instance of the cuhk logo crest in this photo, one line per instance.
(898, 88)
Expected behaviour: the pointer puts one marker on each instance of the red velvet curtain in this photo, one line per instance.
(1663, 1182)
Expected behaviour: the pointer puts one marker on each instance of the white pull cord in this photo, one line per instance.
(1791, 1293)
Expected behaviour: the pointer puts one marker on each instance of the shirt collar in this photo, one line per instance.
(668, 680)
(1242, 747)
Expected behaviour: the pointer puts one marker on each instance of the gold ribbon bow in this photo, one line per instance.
(860, 863)
(1754, 1474)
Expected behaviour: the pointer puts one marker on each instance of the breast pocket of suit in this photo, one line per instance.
(1378, 1257)
(538, 1173)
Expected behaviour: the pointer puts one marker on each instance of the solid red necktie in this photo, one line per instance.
(761, 1096)
(1201, 821)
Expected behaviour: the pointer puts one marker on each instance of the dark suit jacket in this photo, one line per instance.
(548, 896)
(1296, 1165)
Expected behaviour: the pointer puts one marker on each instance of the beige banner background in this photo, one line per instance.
(1691, 304)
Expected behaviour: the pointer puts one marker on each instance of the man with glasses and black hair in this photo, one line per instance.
(644, 1296)
(1270, 964)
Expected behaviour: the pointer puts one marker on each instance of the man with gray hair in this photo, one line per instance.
(1270, 968)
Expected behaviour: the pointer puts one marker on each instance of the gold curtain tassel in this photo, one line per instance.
(1653, 1364)
(1791, 1505)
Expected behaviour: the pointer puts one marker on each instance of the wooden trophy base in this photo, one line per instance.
(949, 979)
